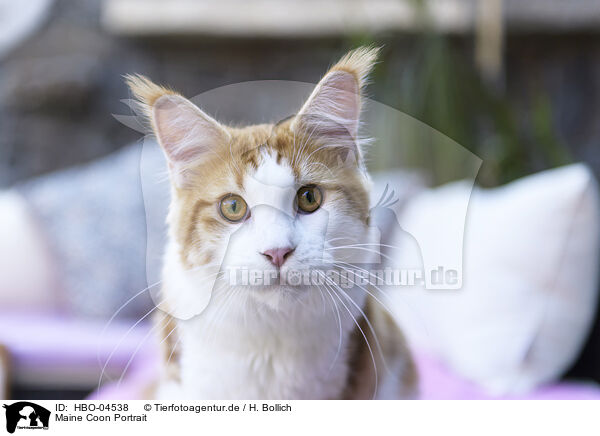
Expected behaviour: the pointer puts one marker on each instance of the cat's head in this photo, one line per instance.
(272, 197)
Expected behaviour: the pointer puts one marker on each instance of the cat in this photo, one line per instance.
(279, 198)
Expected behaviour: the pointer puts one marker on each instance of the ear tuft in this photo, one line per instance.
(146, 91)
(358, 62)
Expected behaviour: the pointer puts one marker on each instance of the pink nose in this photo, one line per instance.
(277, 256)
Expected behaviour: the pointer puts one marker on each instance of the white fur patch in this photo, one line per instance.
(271, 173)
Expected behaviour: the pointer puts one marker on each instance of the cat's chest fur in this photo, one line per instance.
(299, 357)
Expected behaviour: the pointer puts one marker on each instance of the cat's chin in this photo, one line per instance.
(278, 296)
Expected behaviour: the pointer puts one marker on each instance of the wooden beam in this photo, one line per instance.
(282, 18)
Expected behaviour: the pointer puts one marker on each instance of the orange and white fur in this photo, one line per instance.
(271, 341)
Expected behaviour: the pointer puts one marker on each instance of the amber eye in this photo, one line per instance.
(233, 208)
(309, 198)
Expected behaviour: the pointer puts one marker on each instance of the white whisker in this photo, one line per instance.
(142, 342)
(368, 321)
(341, 247)
(123, 338)
(340, 333)
(364, 337)
(114, 315)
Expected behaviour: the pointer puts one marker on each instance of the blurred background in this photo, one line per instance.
(515, 82)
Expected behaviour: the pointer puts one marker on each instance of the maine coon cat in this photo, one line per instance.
(282, 198)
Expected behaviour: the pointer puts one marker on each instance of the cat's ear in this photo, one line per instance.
(186, 134)
(332, 112)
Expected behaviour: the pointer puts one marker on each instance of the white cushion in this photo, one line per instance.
(27, 273)
(529, 277)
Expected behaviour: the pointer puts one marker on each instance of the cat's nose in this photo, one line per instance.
(277, 256)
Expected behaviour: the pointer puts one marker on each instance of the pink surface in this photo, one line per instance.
(38, 342)
(55, 343)
(438, 383)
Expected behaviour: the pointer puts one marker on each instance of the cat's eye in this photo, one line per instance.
(233, 208)
(309, 198)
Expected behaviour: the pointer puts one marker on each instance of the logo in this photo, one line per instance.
(26, 415)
